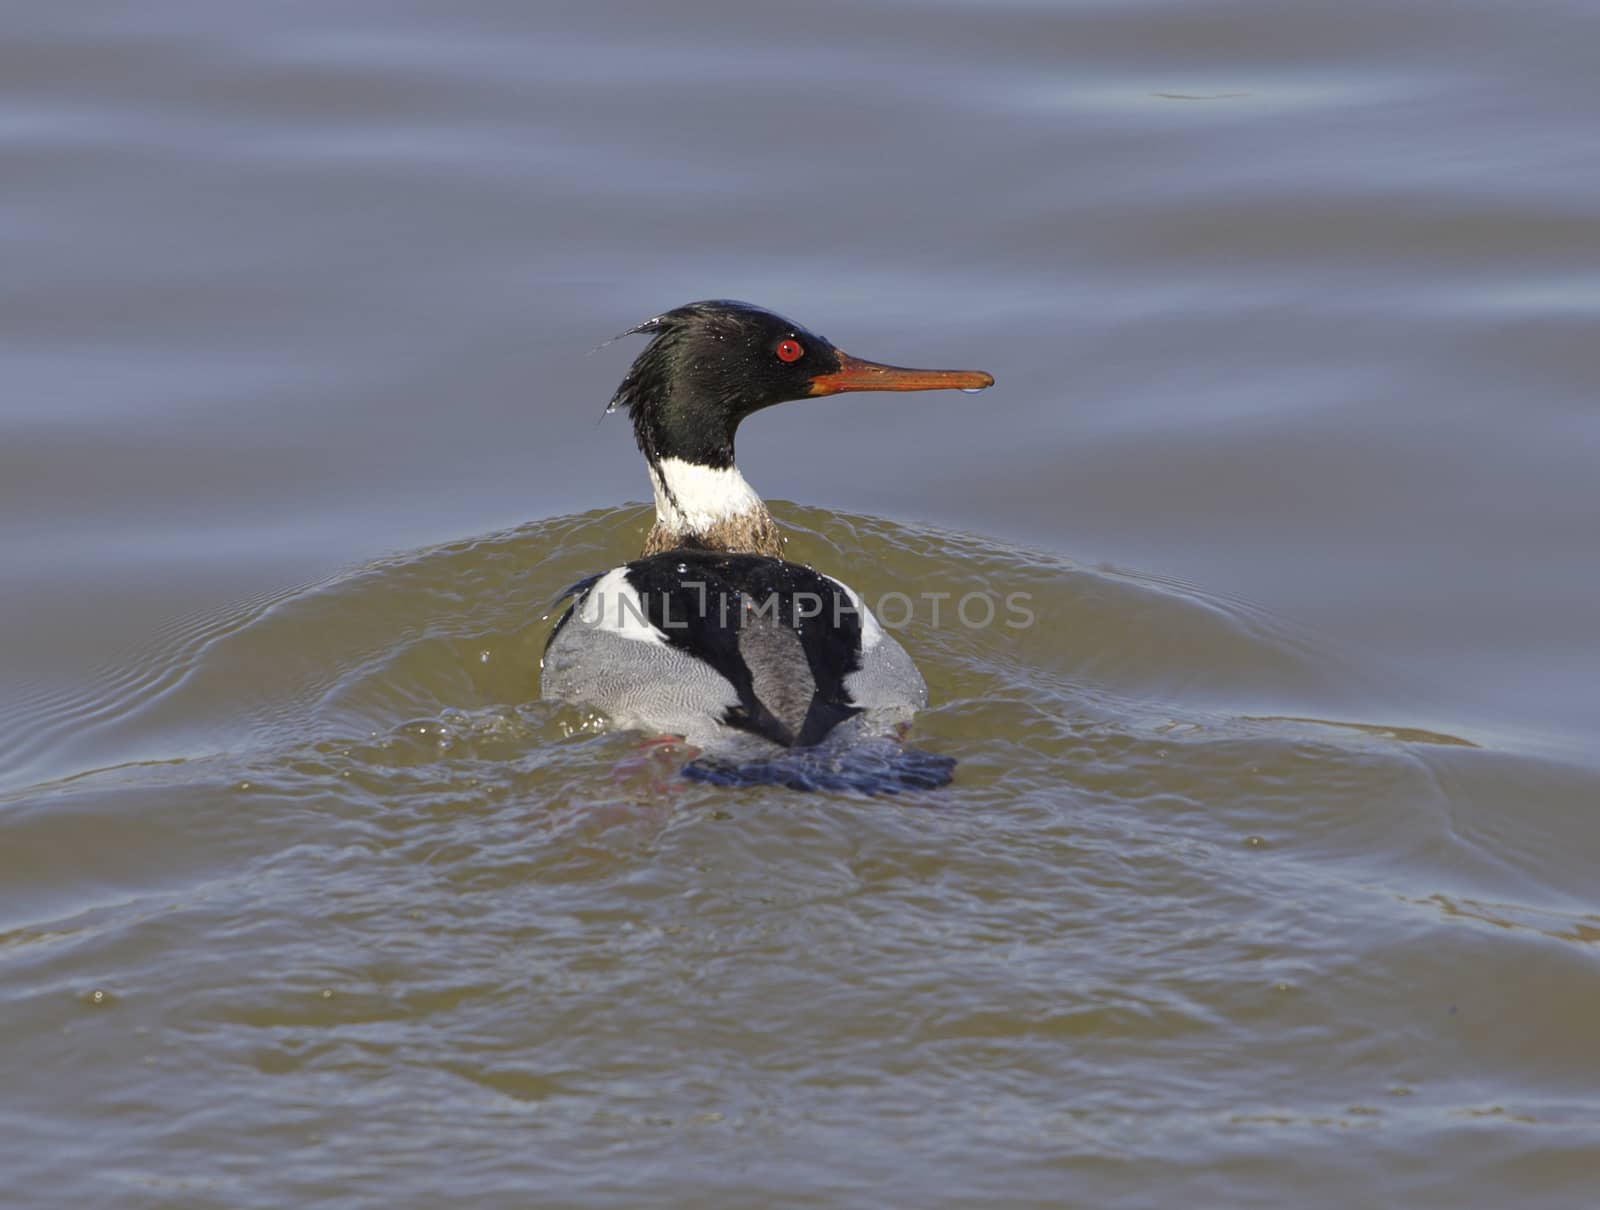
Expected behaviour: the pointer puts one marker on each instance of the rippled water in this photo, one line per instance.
(1267, 876)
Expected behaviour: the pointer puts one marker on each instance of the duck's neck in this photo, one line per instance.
(709, 508)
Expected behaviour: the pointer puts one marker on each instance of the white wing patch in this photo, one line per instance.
(612, 605)
(871, 631)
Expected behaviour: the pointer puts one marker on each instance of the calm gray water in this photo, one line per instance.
(1268, 877)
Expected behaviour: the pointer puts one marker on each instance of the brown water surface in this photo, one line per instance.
(1268, 875)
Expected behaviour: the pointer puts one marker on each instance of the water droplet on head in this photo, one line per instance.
(973, 390)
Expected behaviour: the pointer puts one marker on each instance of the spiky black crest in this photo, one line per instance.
(709, 365)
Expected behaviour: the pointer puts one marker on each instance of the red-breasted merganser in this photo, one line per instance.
(712, 635)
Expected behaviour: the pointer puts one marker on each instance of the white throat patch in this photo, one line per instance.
(690, 498)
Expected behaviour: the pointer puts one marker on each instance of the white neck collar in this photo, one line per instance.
(691, 498)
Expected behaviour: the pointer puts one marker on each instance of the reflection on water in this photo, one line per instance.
(1268, 866)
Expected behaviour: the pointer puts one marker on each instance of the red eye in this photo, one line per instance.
(790, 350)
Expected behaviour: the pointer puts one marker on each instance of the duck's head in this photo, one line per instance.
(710, 364)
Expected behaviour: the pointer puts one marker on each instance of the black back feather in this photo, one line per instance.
(752, 618)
